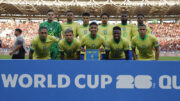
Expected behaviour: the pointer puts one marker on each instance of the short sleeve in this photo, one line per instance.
(59, 29)
(133, 44)
(60, 44)
(126, 45)
(54, 39)
(20, 41)
(33, 46)
(155, 42)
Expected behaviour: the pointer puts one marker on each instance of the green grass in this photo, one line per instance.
(161, 58)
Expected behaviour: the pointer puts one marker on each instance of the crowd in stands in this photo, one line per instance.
(30, 30)
(168, 34)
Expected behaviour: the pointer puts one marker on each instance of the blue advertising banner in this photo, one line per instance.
(35, 80)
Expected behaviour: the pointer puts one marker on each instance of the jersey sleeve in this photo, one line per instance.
(107, 47)
(148, 30)
(133, 44)
(59, 29)
(155, 42)
(83, 42)
(78, 45)
(126, 45)
(60, 44)
(54, 39)
(33, 46)
(103, 42)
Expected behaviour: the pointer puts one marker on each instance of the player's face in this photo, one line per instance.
(86, 20)
(104, 19)
(117, 34)
(69, 16)
(142, 30)
(93, 29)
(16, 33)
(69, 36)
(124, 17)
(50, 16)
(43, 34)
(140, 19)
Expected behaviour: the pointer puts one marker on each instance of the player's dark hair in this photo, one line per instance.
(124, 13)
(93, 23)
(86, 14)
(18, 30)
(50, 10)
(69, 30)
(105, 15)
(69, 11)
(40, 28)
(140, 15)
(141, 25)
(116, 28)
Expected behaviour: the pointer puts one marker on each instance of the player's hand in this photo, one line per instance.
(83, 50)
(10, 53)
(101, 49)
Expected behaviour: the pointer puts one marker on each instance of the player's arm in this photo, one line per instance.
(107, 50)
(107, 54)
(78, 50)
(31, 54)
(55, 39)
(60, 44)
(102, 46)
(32, 48)
(156, 46)
(134, 49)
(62, 55)
(20, 42)
(77, 30)
(157, 53)
(126, 49)
(83, 45)
(126, 52)
(134, 53)
(59, 31)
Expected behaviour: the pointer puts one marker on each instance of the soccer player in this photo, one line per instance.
(40, 45)
(140, 21)
(54, 29)
(19, 49)
(93, 40)
(105, 29)
(126, 31)
(146, 44)
(70, 24)
(84, 29)
(69, 46)
(118, 47)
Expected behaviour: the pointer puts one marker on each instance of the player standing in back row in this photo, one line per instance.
(126, 30)
(84, 28)
(54, 29)
(105, 28)
(70, 24)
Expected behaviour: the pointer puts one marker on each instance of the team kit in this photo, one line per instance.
(67, 41)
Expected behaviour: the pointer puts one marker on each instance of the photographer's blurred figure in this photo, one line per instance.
(19, 48)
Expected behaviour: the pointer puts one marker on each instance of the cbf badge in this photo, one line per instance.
(85, 31)
(143, 46)
(93, 45)
(105, 32)
(44, 47)
(124, 29)
(51, 29)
